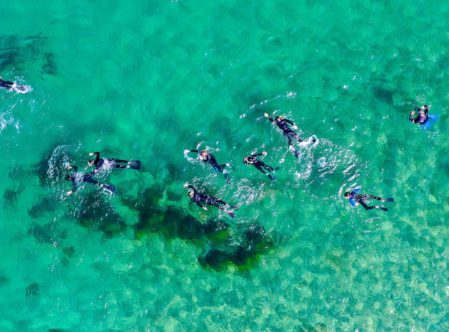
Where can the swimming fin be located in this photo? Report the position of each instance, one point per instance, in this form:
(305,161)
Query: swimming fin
(108,187)
(388,199)
(134,164)
(231,213)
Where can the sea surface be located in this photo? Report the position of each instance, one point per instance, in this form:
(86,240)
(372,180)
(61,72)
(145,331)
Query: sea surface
(147,79)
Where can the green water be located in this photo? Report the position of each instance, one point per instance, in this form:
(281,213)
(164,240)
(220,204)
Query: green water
(147,79)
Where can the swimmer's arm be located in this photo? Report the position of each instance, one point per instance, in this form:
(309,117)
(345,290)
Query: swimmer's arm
(74,188)
(97,156)
(291,123)
(259,154)
(190,186)
(201,206)
(268,117)
(186,151)
(412,118)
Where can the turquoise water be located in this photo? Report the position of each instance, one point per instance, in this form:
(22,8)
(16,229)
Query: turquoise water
(147,79)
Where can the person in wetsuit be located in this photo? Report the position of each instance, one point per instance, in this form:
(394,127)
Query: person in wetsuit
(419,115)
(354,197)
(200,199)
(209,158)
(8,85)
(77,178)
(288,132)
(103,163)
(260,165)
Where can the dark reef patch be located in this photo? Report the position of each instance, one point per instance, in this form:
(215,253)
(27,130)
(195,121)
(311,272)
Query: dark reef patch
(32,290)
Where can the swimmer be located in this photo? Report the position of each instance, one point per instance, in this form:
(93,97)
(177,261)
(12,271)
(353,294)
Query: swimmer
(200,199)
(419,115)
(260,165)
(355,198)
(209,158)
(103,163)
(77,178)
(12,86)
(291,135)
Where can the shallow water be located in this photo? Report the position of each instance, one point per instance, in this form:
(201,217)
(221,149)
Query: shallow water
(146,80)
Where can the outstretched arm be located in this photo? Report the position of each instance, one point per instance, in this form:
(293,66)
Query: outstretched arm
(259,154)
(97,156)
(74,188)
(201,206)
(268,117)
(186,151)
(413,118)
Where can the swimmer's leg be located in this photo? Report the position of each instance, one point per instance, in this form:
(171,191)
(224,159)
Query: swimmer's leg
(362,203)
(118,160)
(88,179)
(267,173)
(381,199)
(133,164)
(260,169)
(6,84)
(292,149)
(270,169)
(120,166)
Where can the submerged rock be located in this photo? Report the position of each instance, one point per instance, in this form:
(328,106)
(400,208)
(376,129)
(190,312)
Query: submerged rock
(96,213)
(10,197)
(46,233)
(32,290)
(49,65)
(255,241)
(45,205)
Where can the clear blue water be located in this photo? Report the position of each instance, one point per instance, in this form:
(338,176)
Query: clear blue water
(146,80)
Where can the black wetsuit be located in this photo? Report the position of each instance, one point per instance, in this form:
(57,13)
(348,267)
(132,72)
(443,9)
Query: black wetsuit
(6,84)
(77,177)
(200,199)
(291,135)
(210,159)
(114,163)
(354,198)
(260,165)
(420,118)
